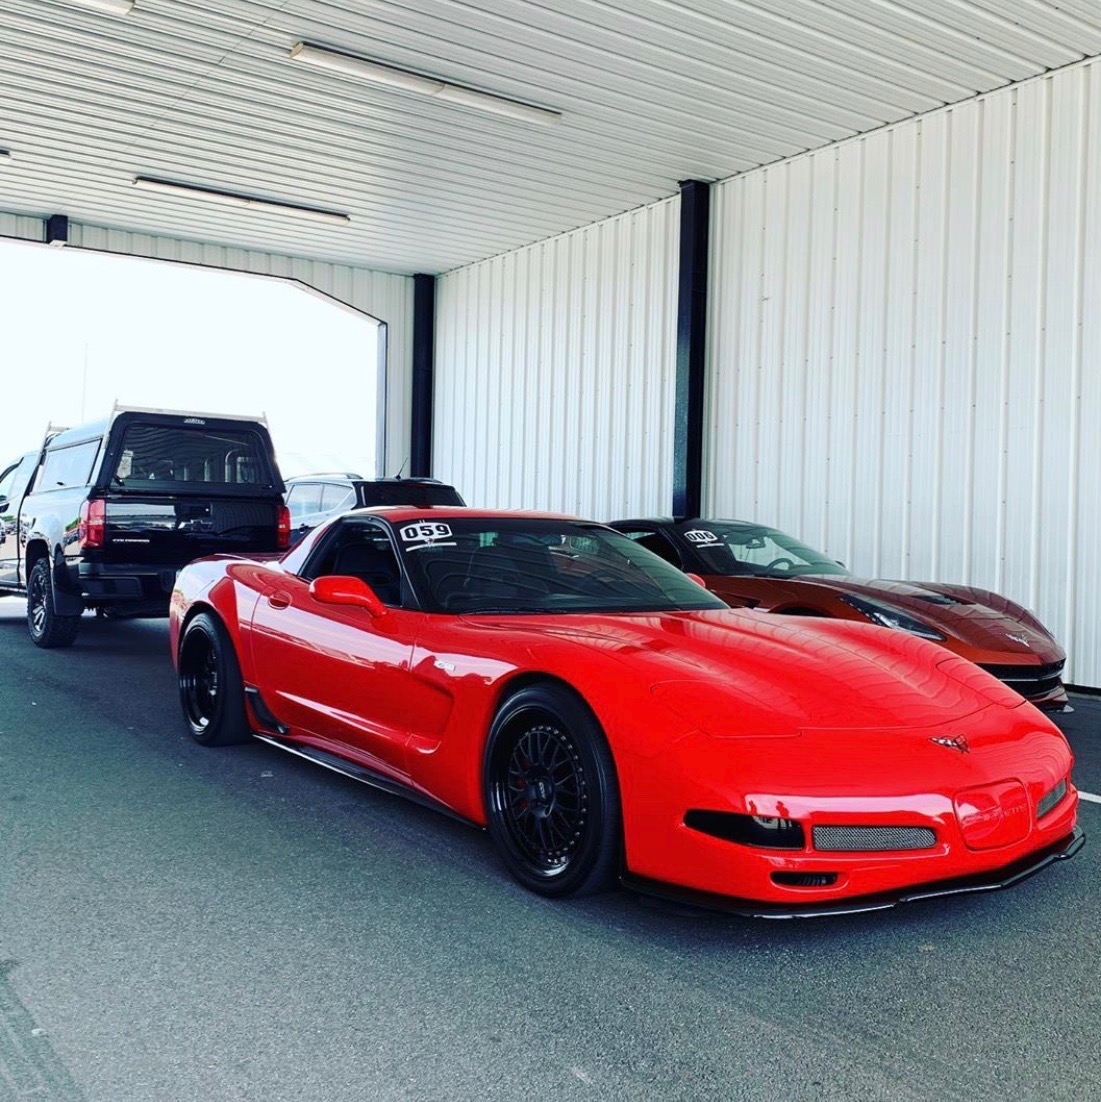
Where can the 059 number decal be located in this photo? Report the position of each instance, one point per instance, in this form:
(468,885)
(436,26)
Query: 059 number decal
(424,532)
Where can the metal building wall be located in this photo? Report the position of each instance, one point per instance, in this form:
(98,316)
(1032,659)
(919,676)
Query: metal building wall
(555,370)
(905,360)
(388,298)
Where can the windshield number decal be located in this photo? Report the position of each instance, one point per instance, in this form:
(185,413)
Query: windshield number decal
(425,534)
(701,536)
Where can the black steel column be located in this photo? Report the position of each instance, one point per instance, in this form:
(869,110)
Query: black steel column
(695,207)
(424,337)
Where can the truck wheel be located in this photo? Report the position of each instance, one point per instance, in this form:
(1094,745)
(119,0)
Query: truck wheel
(47,628)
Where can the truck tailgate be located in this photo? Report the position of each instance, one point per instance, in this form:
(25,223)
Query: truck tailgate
(172,532)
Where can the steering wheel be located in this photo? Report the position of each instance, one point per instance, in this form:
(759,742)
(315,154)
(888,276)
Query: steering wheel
(776,564)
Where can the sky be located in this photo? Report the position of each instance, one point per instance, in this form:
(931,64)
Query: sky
(79,330)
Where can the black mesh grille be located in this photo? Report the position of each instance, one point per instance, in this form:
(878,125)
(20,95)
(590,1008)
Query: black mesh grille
(873,838)
(1029,680)
(1049,802)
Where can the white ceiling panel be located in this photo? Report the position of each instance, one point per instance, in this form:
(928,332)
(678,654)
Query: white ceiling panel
(651,92)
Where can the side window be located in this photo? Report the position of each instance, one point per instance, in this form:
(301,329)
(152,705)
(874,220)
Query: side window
(70,466)
(335,497)
(659,544)
(362,551)
(7,480)
(304,499)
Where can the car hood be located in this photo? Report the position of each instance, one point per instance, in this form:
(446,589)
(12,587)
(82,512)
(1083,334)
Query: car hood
(982,621)
(743,672)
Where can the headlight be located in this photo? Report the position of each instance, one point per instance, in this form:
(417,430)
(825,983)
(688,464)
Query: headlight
(888,617)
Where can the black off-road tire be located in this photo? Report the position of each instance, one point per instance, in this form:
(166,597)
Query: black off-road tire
(551,794)
(212,694)
(46,627)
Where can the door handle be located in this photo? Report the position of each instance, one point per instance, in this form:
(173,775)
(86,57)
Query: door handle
(278,600)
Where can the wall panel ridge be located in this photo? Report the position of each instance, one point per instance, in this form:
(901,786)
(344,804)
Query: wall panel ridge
(905,357)
(555,371)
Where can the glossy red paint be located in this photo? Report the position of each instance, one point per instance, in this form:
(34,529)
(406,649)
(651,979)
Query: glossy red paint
(825,722)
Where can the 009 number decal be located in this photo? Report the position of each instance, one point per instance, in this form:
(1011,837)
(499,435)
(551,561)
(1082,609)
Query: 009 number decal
(425,532)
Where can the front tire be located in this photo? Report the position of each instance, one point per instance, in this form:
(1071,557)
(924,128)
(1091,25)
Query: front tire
(551,794)
(46,627)
(212,693)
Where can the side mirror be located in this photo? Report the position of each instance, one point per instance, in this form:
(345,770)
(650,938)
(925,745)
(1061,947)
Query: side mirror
(697,579)
(343,589)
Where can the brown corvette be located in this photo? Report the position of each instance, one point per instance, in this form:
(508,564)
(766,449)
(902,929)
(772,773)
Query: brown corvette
(753,566)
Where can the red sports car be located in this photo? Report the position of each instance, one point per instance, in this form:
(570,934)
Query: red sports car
(754,566)
(603,715)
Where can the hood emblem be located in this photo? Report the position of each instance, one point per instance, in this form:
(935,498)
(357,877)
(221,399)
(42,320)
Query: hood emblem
(1022,639)
(953,742)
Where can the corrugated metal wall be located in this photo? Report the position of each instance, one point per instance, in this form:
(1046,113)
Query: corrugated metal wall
(389,298)
(555,370)
(906,350)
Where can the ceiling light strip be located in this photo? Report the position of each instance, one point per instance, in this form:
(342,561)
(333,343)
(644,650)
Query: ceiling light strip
(5,154)
(407,81)
(236,199)
(113,7)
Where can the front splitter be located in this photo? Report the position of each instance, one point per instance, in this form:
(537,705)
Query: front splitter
(748,908)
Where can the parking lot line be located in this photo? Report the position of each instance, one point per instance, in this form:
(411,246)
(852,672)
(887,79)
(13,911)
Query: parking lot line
(1089,796)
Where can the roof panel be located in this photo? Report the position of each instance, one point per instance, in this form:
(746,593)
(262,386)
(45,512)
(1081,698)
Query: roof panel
(651,91)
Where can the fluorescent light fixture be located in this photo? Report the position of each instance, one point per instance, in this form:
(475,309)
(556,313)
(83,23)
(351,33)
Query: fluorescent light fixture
(459,94)
(236,199)
(5,155)
(114,7)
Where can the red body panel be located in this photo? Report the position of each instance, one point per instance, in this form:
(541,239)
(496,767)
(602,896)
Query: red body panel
(828,722)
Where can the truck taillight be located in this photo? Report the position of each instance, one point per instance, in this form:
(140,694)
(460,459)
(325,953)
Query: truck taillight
(283,531)
(93,523)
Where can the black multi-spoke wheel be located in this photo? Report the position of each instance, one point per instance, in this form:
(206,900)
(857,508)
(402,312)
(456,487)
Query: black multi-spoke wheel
(46,627)
(552,801)
(211,692)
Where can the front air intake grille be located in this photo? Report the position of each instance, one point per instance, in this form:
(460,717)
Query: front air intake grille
(858,838)
(1052,799)
(1029,680)
(805,879)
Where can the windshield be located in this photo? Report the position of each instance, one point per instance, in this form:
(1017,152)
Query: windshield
(726,547)
(517,565)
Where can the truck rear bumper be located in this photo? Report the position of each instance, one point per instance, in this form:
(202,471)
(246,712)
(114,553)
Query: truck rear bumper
(108,584)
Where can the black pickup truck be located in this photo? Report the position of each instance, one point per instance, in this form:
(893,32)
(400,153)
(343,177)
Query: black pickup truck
(104,515)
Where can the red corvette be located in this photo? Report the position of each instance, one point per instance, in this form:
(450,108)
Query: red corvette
(603,715)
(753,566)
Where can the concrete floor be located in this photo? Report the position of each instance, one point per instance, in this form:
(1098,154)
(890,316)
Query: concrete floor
(183,923)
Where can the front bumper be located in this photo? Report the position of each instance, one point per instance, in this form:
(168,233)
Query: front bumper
(991,881)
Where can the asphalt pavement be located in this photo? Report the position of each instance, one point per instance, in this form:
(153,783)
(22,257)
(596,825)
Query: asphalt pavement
(180,923)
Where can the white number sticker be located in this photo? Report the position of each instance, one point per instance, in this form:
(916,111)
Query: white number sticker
(424,532)
(701,535)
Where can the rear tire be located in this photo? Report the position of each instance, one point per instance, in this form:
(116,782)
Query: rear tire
(46,627)
(551,794)
(212,693)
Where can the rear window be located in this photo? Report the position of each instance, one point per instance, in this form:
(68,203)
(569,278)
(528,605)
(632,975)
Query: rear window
(407,492)
(155,456)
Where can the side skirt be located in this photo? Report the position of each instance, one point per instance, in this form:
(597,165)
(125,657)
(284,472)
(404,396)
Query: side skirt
(364,775)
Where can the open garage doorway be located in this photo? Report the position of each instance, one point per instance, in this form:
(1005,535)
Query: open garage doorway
(84,329)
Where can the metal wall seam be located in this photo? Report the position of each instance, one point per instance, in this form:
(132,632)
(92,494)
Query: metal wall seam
(906,352)
(554,367)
